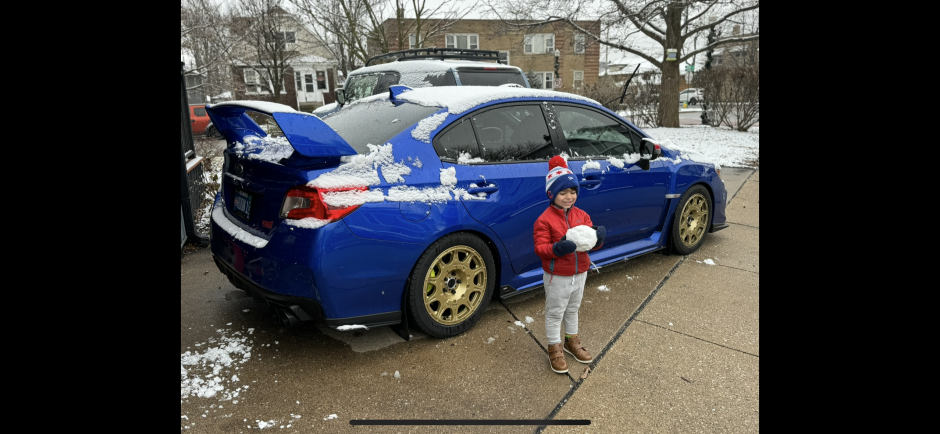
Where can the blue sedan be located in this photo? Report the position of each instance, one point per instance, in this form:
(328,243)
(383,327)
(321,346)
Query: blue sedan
(416,207)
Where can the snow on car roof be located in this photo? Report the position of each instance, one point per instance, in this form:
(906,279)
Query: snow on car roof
(459,99)
(418,66)
(260,106)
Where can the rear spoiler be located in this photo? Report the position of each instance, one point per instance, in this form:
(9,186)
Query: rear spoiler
(307,134)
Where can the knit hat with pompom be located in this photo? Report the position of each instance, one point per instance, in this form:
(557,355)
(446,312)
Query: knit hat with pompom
(559,178)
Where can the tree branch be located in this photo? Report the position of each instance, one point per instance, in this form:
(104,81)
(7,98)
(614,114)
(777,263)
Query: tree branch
(720,43)
(719,22)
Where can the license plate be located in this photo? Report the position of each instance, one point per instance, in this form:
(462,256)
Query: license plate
(242,206)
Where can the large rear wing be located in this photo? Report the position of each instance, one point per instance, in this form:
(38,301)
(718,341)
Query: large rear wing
(307,134)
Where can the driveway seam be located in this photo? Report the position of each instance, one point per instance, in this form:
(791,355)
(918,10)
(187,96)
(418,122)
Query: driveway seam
(603,353)
(529,332)
(742,224)
(742,186)
(739,269)
(698,338)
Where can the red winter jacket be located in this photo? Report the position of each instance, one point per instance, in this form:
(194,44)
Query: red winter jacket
(550,228)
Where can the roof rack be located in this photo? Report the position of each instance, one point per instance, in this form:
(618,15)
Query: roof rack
(439,53)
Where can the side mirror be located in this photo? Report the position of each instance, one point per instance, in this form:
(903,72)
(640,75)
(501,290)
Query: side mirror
(649,151)
(341,96)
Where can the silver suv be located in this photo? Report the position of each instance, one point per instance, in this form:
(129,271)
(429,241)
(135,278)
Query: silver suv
(429,68)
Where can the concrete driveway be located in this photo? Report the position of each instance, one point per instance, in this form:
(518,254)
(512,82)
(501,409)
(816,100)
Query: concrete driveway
(676,344)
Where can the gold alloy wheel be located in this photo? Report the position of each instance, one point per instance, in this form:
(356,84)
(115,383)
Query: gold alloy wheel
(695,220)
(455,285)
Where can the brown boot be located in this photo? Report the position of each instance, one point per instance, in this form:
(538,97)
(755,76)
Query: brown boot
(556,354)
(573,346)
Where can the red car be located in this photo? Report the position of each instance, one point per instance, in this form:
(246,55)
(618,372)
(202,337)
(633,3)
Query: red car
(199,118)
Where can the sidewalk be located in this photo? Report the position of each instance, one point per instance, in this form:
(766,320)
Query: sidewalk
(690,360)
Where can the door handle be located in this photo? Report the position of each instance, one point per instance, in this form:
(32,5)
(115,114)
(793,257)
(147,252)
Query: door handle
(486,190)
(590,183)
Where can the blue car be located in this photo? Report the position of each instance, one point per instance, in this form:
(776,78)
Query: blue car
(416,207)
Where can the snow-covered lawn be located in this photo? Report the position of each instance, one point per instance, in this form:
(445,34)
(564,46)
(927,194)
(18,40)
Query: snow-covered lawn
(721,146)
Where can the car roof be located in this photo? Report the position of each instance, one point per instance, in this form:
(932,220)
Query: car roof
(460,99)
(428,66)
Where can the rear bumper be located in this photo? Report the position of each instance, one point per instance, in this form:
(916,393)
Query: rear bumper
(304,309)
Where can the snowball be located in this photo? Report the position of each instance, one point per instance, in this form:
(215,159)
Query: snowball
(584,237)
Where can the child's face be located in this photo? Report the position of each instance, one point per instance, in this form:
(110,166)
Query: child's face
(567,198)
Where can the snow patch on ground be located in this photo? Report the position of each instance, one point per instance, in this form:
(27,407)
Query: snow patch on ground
(520,324)
(604,289)
(331,417)
(584,236)
(529,320)
(722,147)
(710,262)
(206,374)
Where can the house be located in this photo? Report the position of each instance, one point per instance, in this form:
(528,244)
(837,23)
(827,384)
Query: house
(534,51)
(279,45)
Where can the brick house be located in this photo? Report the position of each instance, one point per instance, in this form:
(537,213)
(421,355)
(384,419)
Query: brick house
(532,51)
(309,79)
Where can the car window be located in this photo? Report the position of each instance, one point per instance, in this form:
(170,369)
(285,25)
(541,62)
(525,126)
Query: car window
(199,112)
(376,122)
(591,134)
(490,78)
(360,86)
(386,81)
(514,133)
(458,140)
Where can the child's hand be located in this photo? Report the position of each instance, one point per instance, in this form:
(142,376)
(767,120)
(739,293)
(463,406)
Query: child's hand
(601,235)
(564,248)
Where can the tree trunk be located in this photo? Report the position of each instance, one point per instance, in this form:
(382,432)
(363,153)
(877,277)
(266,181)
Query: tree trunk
(669,97)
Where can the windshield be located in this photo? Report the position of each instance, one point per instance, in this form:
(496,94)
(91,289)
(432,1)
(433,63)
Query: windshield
(490,78)
(361,86)
(375,122)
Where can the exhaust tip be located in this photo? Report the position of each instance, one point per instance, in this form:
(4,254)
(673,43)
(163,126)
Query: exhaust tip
(287,318)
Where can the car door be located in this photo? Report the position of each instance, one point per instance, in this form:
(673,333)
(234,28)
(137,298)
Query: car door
(200,119)
(617,194)
(500,156)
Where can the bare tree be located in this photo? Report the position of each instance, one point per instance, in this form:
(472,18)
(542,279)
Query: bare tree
(270,36)
(645,28)
(357,30)
(206,39)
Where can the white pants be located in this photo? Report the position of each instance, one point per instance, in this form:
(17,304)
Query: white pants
(563,295)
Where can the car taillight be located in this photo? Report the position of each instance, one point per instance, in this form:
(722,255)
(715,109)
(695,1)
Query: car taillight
(305,202)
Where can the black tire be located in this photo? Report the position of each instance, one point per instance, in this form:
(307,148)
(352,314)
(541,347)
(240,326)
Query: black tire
(443,314)
(212,133)
(694,101)
(689,231)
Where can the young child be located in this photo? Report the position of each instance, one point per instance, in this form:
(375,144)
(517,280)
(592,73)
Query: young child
(565,268)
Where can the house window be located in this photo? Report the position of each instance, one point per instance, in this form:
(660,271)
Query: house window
(579,44)
(463,41)
(252,84)
(288,39)
(309,78)
(540,43)
(321,80)
(412,42)
(299,80)
(578,79)
(547,80)
(504,57)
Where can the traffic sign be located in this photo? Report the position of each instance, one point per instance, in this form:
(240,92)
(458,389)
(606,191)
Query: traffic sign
(689,68)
